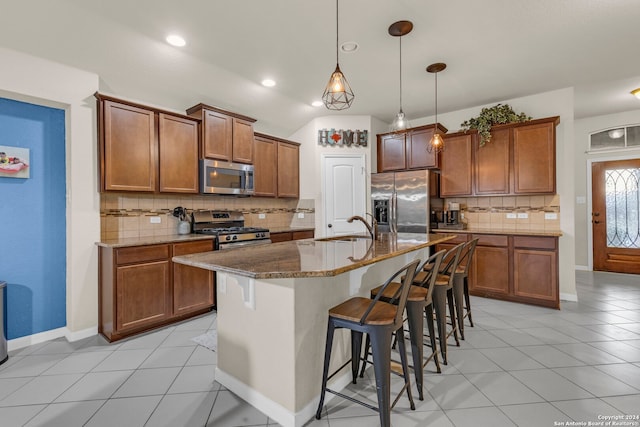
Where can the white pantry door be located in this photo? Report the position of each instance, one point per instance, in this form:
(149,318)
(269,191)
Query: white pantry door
(344,193)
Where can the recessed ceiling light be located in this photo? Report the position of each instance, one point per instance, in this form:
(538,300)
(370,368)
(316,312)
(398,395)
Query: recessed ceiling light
(175,40)
(268,83)
(636,93)
(349,47)
(317,103)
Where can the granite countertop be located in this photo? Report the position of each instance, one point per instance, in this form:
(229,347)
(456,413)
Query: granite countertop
(310,258)
(152,240)
(503,232)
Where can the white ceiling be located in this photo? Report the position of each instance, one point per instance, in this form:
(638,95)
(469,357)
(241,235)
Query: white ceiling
(494,50)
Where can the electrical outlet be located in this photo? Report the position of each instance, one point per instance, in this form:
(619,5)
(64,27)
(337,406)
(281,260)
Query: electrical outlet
(550,215)
(523,215)
(300,215)
(581,200)
(155,219)
(262,216)
(511,216)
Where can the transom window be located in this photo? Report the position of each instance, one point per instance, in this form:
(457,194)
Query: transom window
(618,137)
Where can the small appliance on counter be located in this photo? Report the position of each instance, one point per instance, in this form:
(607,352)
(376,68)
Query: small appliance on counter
(184,226)
(451,218)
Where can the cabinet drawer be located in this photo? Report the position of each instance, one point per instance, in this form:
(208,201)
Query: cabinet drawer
(297,235)
(534,242)
(192,247)
(459,238)
(491,240)
(141,254)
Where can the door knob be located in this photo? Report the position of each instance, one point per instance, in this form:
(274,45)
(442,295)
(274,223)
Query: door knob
(330,225)
(596,214)
(596,222)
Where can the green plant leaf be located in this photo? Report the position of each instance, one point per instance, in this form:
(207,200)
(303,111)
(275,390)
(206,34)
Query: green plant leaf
(489,116)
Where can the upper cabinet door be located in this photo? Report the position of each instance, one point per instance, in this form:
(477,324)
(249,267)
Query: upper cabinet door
(265,167)
(178,145)
(242,141)
(456,165)
(128,148)
(492,164)
(391,152)
(217,135)
(534,158)
(418,157)
(288,170)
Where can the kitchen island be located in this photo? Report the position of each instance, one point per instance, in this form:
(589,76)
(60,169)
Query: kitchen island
(272,312)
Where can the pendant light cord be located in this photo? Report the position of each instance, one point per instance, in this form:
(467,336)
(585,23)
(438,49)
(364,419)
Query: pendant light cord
(400,72)
(436,99)
(337,29)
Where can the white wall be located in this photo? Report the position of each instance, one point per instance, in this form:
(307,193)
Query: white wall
(30,79)
(311,153)
(583,128)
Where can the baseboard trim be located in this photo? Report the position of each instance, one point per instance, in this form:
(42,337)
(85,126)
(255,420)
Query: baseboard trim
(583,268)
(568,297)
(53,334)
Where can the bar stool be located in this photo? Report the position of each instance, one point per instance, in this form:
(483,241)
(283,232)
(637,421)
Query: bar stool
(461,285)
(419,305)
(379,320)
(443,295)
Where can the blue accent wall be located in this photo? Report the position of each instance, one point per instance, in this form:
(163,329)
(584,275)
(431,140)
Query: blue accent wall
(33,220)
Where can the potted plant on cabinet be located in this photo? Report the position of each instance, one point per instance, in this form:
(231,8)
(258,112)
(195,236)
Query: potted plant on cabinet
(489,116)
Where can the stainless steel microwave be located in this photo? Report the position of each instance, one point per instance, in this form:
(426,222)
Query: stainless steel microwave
(218,177)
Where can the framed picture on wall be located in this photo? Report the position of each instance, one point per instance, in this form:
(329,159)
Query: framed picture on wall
(14,162)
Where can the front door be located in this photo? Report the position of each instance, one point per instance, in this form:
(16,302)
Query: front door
(344,193)
(616,216)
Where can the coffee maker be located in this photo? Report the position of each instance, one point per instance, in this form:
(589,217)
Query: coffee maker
(453,214)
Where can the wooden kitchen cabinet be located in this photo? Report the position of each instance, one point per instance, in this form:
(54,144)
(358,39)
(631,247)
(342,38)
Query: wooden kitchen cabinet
(128,149)
(407,150)
(286,236)
(490,266)
(146,149)
(276,167)
(510,267)
(178,149)
(193,288)
(492,164)
(534,157)
(139,288)
(456,164)
(224,135)
(535,270)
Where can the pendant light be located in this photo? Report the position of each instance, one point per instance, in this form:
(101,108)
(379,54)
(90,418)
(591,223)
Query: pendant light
(338,94)
(437,143)
(399,29)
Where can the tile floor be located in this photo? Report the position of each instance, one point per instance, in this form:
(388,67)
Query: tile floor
(519,366)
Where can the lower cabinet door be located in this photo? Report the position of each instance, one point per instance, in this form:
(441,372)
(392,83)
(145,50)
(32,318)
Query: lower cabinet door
(490,271)
(193,288)
(142,294)
(535,275)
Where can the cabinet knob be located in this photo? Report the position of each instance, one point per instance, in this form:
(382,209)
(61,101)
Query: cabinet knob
(596,222)
(330,225)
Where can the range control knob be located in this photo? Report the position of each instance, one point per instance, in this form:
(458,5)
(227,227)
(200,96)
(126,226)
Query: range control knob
(235,237)
(227,238)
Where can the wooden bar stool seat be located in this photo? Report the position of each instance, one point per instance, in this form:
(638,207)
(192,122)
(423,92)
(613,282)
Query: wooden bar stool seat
(419,307)
(379,320)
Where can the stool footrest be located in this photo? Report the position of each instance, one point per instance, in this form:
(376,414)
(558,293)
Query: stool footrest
(351,399)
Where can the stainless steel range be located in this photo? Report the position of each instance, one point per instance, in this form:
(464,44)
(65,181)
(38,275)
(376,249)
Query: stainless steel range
(228,227)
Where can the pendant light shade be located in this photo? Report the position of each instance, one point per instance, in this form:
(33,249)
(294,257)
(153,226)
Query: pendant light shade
(399,29)
(437,142)
(338,94)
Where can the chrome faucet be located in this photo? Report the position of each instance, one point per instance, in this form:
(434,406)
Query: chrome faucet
(372,229)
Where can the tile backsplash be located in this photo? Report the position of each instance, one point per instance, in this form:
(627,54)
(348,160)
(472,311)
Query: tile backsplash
(125,215)
(510,213)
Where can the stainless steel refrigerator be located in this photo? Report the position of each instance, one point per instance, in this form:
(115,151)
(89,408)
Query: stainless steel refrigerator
(400,201)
